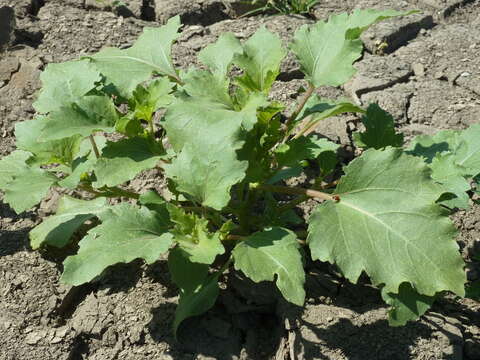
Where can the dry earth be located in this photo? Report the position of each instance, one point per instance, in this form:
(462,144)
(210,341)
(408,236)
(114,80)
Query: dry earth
(428,77)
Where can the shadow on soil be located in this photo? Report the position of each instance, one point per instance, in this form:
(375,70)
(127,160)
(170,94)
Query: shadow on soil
(350,340)
(14,239)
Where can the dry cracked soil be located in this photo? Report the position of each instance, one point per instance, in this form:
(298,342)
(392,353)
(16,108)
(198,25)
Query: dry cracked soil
(427,76)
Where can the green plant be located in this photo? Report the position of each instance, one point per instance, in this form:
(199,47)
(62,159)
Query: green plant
(282,6)
(225,150)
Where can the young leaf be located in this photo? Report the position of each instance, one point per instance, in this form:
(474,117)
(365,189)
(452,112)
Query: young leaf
(317,109)
(388,225)
(65,83)
(129,125)
(327,50)
(155,96)
(304,148)
(150,53)
(121,161)
(198,291)
(126,233)
(407,305)
(272,252)
(285,173)
(219,55)
(260,61)
(193,237)
(380,131)
(83,163)
(90,114)
(71,213)
(16,177)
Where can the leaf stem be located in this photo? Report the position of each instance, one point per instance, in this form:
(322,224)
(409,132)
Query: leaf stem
(297,110)
(94,146)
(299,191)
(152,127)
(109,192)
(292,203)
(116,191)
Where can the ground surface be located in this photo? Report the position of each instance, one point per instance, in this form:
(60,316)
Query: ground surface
(428,77)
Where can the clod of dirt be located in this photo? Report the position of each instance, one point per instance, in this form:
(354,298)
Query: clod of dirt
(388,36)
(375,73)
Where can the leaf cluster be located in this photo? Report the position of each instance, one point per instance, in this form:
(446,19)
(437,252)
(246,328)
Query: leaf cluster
(226,149)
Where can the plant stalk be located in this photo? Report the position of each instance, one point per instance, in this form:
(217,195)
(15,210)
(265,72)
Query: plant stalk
(299,191)
(297,110)
(94,146)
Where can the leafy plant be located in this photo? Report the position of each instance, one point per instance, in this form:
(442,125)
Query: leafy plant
(282,6)
(226,149)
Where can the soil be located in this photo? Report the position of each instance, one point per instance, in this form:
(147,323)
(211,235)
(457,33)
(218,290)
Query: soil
(428,77)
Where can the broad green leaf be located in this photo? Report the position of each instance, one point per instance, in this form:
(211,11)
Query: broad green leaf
(380,130)
(327,50)
(407,305)
(198,291)
(65,83)
(196,302)
(121,161)
(304,148)
(468,152)
(155,96)
(150,53)
(27,188)
(269,253)
(206,166)
(454,157)
(207,171)
(219,55)
(61,151)
(429,146)
(126,233)
(446,172)
(90,114)
(192,235)
(187,275)
(260,61)
(71,213)
(388,225)
(11,165)
(23,185)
